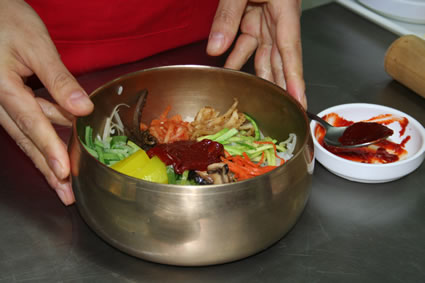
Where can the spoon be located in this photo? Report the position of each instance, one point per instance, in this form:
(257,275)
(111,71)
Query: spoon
(359,134)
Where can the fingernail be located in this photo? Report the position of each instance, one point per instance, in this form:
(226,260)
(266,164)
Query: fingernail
(302,99)
(65,194)
(61,194)
(78,99)
(57,168)
(215,42)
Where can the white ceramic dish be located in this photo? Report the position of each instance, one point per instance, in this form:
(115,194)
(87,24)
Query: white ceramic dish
(411,11)
(373,173)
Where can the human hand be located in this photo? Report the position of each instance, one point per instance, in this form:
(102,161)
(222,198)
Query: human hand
(26,49)
(271,29)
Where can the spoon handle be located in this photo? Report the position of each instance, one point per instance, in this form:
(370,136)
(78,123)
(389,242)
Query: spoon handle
(318,119)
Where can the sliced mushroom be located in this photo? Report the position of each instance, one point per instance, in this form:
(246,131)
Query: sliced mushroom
(142,138)
(220,173)
(217,173)
(148,140)
(200,177)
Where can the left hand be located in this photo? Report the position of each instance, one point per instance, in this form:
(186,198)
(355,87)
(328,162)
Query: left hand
(271,28)
(27,49)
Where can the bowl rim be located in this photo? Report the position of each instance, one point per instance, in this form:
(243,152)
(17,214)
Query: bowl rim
(204,188)
(412,120)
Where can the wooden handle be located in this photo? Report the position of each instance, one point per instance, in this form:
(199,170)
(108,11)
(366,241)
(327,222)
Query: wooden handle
(405,62)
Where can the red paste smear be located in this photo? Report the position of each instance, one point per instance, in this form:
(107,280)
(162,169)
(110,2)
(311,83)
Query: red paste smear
(188,155)
(382,152)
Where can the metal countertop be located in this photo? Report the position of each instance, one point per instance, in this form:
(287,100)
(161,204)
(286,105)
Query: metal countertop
(349,232)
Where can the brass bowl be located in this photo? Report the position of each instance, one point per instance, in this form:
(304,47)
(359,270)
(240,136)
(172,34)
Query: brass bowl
(194,225)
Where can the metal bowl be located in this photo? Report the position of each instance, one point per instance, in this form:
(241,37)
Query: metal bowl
(194,225)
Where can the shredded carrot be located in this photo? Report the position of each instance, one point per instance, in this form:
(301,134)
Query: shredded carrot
(243,167)
(168,130)
(248,161)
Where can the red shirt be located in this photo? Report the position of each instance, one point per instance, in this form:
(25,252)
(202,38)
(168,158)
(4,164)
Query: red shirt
(94,34)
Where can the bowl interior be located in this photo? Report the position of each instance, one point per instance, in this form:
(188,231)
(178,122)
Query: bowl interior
(188,88)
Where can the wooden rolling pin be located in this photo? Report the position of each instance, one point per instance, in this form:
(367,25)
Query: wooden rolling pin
(405,62)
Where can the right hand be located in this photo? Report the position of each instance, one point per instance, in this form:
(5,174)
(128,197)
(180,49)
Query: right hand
(271,29)
(26,49)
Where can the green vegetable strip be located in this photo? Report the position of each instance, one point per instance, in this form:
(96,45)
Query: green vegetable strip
(110,156)
(183,178)
(230,133)
(185,175)
(256,155)
(280,148)
(99,151)
(91,151)
(123,151)
(246,145)
(271,157)
(118,140)
(260,149)
(89,137)
(134,146)
(107,142)
(254,124)
(242,139)
(110,150)
(172,178)
(99,143)
(214,136)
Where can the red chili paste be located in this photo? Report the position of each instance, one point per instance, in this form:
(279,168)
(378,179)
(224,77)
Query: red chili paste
(188,155)
(382,152)
(363,132)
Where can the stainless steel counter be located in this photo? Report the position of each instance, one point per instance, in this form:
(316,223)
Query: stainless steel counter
(349,232)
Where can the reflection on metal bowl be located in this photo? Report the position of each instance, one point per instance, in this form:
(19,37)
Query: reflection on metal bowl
(194,225)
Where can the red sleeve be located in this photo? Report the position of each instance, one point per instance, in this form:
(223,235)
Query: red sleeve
(95,34)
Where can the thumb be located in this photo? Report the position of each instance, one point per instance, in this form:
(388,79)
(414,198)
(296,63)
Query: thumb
(225,25)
